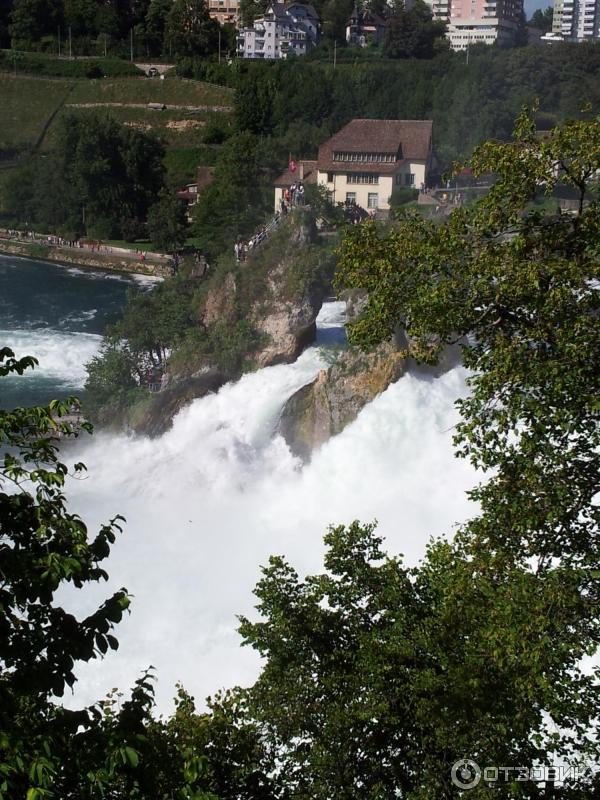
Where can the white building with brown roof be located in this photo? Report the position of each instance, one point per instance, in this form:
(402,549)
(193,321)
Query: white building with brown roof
(368,158)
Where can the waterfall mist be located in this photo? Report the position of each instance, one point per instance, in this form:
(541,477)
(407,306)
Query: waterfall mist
(209,501)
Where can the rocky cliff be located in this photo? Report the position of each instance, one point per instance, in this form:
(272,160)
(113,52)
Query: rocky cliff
(324,407)
(251,314)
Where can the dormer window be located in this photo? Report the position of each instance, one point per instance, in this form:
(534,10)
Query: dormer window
(367,158)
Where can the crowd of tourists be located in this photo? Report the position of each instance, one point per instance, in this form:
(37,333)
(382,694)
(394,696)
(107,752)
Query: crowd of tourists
(293,196)
(244,249)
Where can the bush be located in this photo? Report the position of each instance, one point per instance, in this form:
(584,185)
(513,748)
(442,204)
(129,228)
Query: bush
(94,70)
(40,64)
(231,344)
(402,195)
(217,129)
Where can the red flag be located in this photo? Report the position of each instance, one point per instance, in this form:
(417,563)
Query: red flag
(292,164)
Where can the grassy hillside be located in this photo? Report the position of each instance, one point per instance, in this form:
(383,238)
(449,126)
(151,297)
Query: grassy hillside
(32,105)
(171,91)
(27,105)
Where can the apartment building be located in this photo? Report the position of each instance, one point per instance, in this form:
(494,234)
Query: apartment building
(479,21)
(282,31)
(224,11)
(576,20)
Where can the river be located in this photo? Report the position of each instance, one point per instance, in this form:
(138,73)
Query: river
(211,499)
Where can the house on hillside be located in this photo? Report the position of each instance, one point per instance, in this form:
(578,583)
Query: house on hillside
(192,191)
(365,27)
(283,30)
(366,160)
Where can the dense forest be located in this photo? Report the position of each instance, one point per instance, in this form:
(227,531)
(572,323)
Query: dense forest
(304,102)
(90,27)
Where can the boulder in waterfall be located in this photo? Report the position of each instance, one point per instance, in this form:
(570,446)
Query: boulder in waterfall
(326,406)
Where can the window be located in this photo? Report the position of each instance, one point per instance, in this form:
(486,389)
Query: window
(410,179)
(373,200)
(369,158)
(330,177)
(351,197)
(362,177)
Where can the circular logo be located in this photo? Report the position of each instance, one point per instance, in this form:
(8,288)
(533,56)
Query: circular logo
(465,773)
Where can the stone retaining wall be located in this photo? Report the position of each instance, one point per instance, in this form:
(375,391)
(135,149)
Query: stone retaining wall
(85,258)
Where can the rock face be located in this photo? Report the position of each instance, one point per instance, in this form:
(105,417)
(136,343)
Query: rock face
(220,301)
(290,324)
(292,306)
(324,407)
(278,290)
(155,417)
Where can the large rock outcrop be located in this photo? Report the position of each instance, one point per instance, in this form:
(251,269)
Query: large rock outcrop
(294,289)
(324,407)
(290,324)
(220,301)
(278,292)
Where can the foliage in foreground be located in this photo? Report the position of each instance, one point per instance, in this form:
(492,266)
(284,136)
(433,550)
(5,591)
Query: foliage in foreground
(115,748)
(519,289)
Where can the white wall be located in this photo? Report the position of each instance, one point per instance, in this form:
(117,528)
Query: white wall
(340,187)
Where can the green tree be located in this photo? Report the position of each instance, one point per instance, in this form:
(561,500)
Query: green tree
(80,16)
(5,10)
(522,286)
(114,748)
(378,678)
(189,29)
(32,19)
(43,547)
(542,19)
(101,176)
(334,17)
(111,376)
(155,24)
(412,33)
(240,195)
(167,223)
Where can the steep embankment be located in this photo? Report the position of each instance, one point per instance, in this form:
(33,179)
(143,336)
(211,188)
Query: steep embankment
(250,314)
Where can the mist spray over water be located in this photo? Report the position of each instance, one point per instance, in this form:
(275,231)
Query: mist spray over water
(209,501)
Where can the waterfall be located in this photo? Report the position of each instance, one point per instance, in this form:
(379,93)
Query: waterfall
(211,499)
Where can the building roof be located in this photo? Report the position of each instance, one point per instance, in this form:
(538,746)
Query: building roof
(288,177)
(305,9)
(278,9)
(406,139)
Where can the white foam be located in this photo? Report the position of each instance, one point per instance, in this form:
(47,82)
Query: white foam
(210,500)
(62,355)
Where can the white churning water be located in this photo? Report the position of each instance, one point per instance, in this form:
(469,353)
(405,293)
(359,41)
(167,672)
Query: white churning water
(210,500)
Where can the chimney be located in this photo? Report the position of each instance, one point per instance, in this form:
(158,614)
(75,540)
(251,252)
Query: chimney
(301,170)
